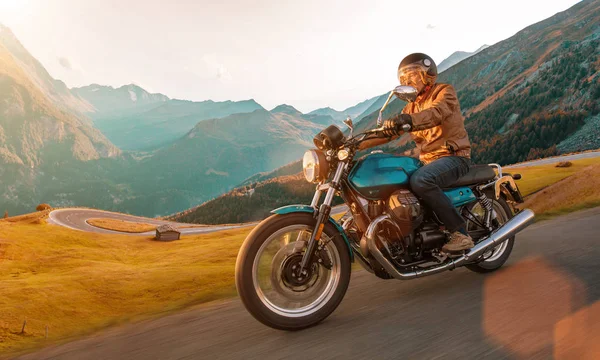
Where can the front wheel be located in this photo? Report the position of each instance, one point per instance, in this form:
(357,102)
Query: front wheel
(267,277)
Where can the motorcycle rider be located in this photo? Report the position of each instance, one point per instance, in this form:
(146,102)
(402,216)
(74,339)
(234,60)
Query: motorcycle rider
(437,127)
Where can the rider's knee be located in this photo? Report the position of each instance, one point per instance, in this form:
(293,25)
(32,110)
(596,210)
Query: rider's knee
(419,183)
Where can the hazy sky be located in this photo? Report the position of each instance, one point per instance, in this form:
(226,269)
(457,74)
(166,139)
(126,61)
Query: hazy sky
(307,53)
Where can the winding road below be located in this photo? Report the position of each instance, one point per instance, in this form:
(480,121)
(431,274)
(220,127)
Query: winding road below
(76,219)
(543,303)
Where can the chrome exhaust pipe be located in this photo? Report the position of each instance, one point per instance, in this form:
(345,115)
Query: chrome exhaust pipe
(506,231)
(372,230)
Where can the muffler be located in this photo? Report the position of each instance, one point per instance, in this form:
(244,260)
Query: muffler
(506,231)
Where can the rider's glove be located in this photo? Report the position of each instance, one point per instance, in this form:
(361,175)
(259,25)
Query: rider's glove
(393,125)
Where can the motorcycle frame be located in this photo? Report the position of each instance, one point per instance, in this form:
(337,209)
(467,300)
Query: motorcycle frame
(503,184)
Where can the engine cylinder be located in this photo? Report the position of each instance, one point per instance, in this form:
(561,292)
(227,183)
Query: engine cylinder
(405,210)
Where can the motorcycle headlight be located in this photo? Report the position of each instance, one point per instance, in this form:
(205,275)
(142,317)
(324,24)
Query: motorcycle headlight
(315,166)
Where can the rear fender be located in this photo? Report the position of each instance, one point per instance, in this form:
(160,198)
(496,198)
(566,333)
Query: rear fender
(308,209)
(506,185)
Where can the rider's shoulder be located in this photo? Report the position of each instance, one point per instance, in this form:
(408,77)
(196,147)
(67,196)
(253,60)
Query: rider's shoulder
(443,88)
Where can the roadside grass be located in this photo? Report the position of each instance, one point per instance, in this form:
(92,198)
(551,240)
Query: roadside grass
(76,282)
(38,217)
(576,192)
(121,225)
(549,214)
(538,177)
(132,227)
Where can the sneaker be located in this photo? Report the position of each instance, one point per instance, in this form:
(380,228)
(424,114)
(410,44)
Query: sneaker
(458,242)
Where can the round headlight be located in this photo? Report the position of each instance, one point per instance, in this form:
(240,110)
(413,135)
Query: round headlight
(315,166)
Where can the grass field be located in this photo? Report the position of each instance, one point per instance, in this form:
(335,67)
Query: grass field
(536,178)
(131,227)
(75,283)
(576,192)
(121,225)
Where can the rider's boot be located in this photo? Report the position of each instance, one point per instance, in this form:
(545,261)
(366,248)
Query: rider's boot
(458,242)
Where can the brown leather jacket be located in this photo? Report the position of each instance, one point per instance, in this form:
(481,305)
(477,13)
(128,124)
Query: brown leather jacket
(439,127)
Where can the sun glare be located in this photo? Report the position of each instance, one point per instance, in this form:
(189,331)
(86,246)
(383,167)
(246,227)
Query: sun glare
(10,9)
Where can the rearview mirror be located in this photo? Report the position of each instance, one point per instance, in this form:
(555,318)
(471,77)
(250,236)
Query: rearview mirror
(402,92)
(406,93)
(348,122)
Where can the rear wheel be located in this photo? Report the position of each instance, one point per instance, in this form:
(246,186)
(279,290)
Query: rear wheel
(494,258)
(268,279)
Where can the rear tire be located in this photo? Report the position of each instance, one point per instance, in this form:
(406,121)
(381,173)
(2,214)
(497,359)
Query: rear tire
(257,302)
(496,260)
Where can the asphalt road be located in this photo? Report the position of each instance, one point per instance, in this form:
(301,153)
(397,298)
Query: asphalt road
(76,219)
(542,304)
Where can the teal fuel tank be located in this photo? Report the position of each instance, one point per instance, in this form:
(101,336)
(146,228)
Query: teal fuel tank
(377,176)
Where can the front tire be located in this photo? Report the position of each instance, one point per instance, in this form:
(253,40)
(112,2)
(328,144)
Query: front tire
(265,285)
(494,259)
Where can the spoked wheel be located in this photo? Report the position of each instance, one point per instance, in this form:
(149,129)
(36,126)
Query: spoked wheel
(269,278)
(494,258)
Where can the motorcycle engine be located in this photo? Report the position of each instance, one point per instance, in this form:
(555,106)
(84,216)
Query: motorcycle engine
(406,210)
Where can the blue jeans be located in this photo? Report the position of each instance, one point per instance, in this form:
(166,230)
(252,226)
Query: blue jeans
(427,183)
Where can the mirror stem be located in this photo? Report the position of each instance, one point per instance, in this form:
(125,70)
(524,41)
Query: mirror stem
(379,118)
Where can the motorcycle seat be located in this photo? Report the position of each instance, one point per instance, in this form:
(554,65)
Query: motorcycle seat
(477,174)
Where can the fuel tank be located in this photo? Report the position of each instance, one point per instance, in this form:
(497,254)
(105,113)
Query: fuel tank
(377,176)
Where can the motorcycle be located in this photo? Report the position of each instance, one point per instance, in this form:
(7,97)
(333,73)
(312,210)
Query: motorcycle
(293,269)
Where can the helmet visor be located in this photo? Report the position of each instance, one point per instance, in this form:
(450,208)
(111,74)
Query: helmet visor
(410,75)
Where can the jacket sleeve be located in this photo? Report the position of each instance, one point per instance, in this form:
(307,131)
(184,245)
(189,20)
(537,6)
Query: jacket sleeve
(444,104)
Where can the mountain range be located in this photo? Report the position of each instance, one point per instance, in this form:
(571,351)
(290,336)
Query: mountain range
(38,111)
(457,57)
(134,119)
(525,95)
(53,146)
(354,111)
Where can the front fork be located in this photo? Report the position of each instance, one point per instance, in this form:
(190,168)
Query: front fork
(323,215)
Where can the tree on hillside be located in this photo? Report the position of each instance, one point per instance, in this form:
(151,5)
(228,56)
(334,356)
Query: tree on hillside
(42,207)
(5,214)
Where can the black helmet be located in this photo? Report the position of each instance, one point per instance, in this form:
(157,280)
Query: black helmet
(421,63)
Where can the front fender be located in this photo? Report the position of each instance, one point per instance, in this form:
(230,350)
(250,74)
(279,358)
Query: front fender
(308,209)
